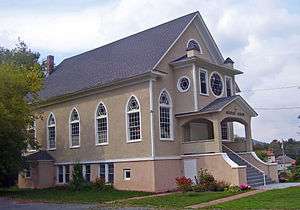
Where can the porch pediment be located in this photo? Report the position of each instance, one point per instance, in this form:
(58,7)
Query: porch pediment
(234,106)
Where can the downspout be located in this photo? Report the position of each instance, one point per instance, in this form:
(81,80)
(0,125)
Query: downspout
(151,118)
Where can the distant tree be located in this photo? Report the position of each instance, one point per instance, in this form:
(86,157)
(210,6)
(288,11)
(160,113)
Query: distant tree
(20,81)
(276,146)
(262,154)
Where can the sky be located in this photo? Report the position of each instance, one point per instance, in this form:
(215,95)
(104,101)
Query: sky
(261,36)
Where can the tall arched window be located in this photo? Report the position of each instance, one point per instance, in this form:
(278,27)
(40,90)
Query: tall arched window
(165,116)
(51,132)
(101,125)
(133,123)
(74,128)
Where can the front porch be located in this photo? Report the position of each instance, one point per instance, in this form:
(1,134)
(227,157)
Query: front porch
(210,132)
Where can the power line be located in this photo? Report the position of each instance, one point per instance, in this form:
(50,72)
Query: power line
(268,89)
(278,108)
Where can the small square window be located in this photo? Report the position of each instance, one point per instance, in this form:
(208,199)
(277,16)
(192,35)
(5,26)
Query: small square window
(127,174)
(27,173)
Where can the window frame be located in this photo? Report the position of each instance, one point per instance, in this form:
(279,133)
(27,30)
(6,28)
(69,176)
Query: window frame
(70,129)
(231,85)
(84,174)
(124,174)
(178,84)
(223,85)
(48,143)
(96,125)
(127,120)
(206,81)
(170,106)
(64,174)
(106,171)
(187,45)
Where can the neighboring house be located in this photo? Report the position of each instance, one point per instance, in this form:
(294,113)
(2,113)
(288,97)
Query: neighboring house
(143,110)
(271,156)
(284,162)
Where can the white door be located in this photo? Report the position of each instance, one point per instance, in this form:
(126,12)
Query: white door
(190,168)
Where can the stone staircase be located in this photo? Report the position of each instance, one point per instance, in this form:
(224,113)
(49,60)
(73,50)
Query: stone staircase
(255,177)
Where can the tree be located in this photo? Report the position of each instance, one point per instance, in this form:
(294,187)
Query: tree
(20,81)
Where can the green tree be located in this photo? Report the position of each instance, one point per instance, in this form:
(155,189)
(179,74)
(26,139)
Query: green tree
(20,81)
(78,181)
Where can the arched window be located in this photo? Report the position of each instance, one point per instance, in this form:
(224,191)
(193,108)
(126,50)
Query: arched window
(101,125)
(133,123)
(51,132)
(165,116)
(193,45)
(74,128)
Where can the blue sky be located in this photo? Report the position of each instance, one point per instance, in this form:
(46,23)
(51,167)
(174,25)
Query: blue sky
(261,36)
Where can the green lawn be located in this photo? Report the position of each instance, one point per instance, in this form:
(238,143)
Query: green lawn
(176,201)
(63,195)
(288,198)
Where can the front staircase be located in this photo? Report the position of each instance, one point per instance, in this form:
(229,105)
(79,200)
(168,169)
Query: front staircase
(255,177)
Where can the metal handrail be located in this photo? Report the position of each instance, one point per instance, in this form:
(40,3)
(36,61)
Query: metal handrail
(247,162)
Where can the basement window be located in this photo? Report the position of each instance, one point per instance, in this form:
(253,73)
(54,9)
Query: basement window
(127,174)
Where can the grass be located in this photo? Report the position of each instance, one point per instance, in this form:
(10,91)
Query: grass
(63,195)
(288,198)
(176,200)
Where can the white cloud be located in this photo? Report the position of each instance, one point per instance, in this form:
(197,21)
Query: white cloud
(261,36)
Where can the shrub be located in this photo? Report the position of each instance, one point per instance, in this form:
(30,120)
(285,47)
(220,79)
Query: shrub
(77,183)
(221,185)
(232,189)
(244,187)
(199,188)
(184,184)
(204,177)
(99,183)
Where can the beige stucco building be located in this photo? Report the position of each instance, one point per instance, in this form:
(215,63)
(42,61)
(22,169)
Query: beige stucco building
(143,110)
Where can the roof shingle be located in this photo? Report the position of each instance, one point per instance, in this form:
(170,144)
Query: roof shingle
(128,57)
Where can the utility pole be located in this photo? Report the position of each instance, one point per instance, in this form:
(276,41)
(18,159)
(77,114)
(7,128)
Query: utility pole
(283,154)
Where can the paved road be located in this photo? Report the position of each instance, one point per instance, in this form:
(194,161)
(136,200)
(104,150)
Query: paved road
(8,204)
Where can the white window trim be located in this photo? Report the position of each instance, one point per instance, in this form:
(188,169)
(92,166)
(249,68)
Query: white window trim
(187,44)
(96,125)
(106,172)
(64,175)
(84,171)
(206,79)
(171,116)
(231,85)
(124,174)
(126,118)
(25,173)
(178,84)
(223,85)
(48,145)
(70,128)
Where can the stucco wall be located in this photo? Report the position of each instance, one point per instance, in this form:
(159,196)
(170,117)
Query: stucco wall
(220,169)
(142,176)
(166,172)
(115,102)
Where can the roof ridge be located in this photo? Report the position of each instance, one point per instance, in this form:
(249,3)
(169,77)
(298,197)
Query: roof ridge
(197,12)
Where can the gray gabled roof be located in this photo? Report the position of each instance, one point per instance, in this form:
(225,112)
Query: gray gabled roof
(40,155)
(218,105)
(131,56)
(284,159)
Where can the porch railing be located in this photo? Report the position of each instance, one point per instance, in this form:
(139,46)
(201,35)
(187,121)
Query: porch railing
(264,175)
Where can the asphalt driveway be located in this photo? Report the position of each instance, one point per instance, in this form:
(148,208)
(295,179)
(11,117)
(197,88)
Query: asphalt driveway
(9,204)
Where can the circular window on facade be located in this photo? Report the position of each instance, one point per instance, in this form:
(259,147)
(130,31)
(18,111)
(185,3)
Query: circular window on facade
(216,84)
(183,84)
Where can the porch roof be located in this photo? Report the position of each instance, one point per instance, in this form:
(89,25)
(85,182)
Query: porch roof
(218,105)
(40,155)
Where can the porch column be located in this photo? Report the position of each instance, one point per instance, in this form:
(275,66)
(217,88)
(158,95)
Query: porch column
(217,135)
(248,137)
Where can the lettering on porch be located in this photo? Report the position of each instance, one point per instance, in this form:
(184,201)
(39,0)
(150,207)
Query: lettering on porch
(235,113)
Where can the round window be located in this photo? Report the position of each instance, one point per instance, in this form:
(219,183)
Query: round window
(216,84)
(183,84)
